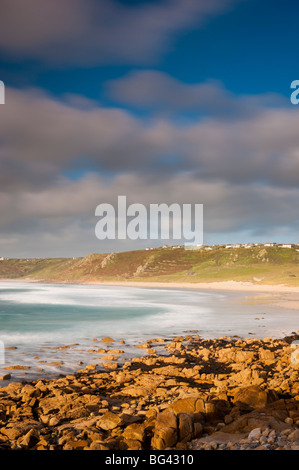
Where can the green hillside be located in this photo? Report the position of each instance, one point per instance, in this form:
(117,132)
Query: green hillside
(259,264)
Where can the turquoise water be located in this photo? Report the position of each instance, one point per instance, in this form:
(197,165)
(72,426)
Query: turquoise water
(36,319)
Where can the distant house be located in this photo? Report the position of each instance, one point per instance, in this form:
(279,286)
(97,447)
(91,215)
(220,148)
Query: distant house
(269,244)
(237,245)
(286,245)
(2,259)
(248,245)
(193,247)
(228,246)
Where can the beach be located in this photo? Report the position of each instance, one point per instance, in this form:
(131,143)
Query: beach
(221,285)
(47,328)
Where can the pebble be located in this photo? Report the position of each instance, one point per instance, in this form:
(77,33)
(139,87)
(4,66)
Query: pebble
(288,439)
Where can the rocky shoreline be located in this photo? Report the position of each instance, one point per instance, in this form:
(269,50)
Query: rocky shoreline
(200,394)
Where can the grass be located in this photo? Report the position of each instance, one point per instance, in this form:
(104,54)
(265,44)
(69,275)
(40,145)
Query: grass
(263,265)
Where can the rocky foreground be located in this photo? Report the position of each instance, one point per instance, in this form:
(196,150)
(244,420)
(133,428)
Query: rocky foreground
(222,394)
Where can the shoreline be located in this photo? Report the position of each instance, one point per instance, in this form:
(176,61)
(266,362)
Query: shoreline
(244,286)
(279,294)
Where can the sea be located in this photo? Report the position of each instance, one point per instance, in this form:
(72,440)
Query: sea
(48,330)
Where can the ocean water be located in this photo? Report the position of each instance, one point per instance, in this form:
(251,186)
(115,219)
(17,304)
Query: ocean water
(38,319)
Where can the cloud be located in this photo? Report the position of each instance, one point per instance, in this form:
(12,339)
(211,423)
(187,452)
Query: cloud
(159,92)
(60,137)
(89,32)
(244,170)
(42,138)
(60,220)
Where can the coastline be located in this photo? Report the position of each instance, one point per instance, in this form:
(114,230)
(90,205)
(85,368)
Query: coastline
(217,285)
(182,393)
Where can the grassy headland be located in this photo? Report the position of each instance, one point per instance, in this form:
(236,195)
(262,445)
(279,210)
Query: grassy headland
(258,265)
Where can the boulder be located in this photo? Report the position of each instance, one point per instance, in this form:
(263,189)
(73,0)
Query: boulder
(191,405)
(253,396)
(134,432)
(29,439)
(185,427)
(109,421)
(165,431)
(295,357)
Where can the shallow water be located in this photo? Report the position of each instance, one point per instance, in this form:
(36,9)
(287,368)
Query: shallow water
(37,319)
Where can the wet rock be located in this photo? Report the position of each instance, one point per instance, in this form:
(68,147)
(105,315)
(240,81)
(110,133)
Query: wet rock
(5,377)
(107,340)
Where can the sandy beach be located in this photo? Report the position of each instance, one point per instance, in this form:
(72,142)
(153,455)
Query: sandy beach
(223,285)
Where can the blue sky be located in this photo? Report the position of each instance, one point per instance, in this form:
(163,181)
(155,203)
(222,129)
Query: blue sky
(165,101)
(251,48)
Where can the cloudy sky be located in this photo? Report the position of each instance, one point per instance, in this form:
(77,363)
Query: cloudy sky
(169,101)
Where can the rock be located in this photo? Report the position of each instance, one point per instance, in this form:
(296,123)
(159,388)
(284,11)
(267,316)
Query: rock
(295,357)
(228,419)
(109,365)
(5,377)
(185,427)
(190,405)
(255,434)
(79,444)
(134,432)
(96,445)
(109,421)
(133,444)
(30,439)
(253,396)
(161,402)
(107,340)
(54,421)
(165,432)
(294,436)
(266,355)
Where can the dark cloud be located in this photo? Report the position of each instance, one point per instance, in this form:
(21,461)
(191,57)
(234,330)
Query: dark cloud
(244,170)
(86,32)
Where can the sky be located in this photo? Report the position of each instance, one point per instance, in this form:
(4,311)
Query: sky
(170,101)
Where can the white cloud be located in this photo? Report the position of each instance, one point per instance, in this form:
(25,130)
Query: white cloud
(158,91)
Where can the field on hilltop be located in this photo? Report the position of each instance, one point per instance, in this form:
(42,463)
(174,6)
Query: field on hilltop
(259,264)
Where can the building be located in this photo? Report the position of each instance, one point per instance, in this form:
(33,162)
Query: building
(193,247)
